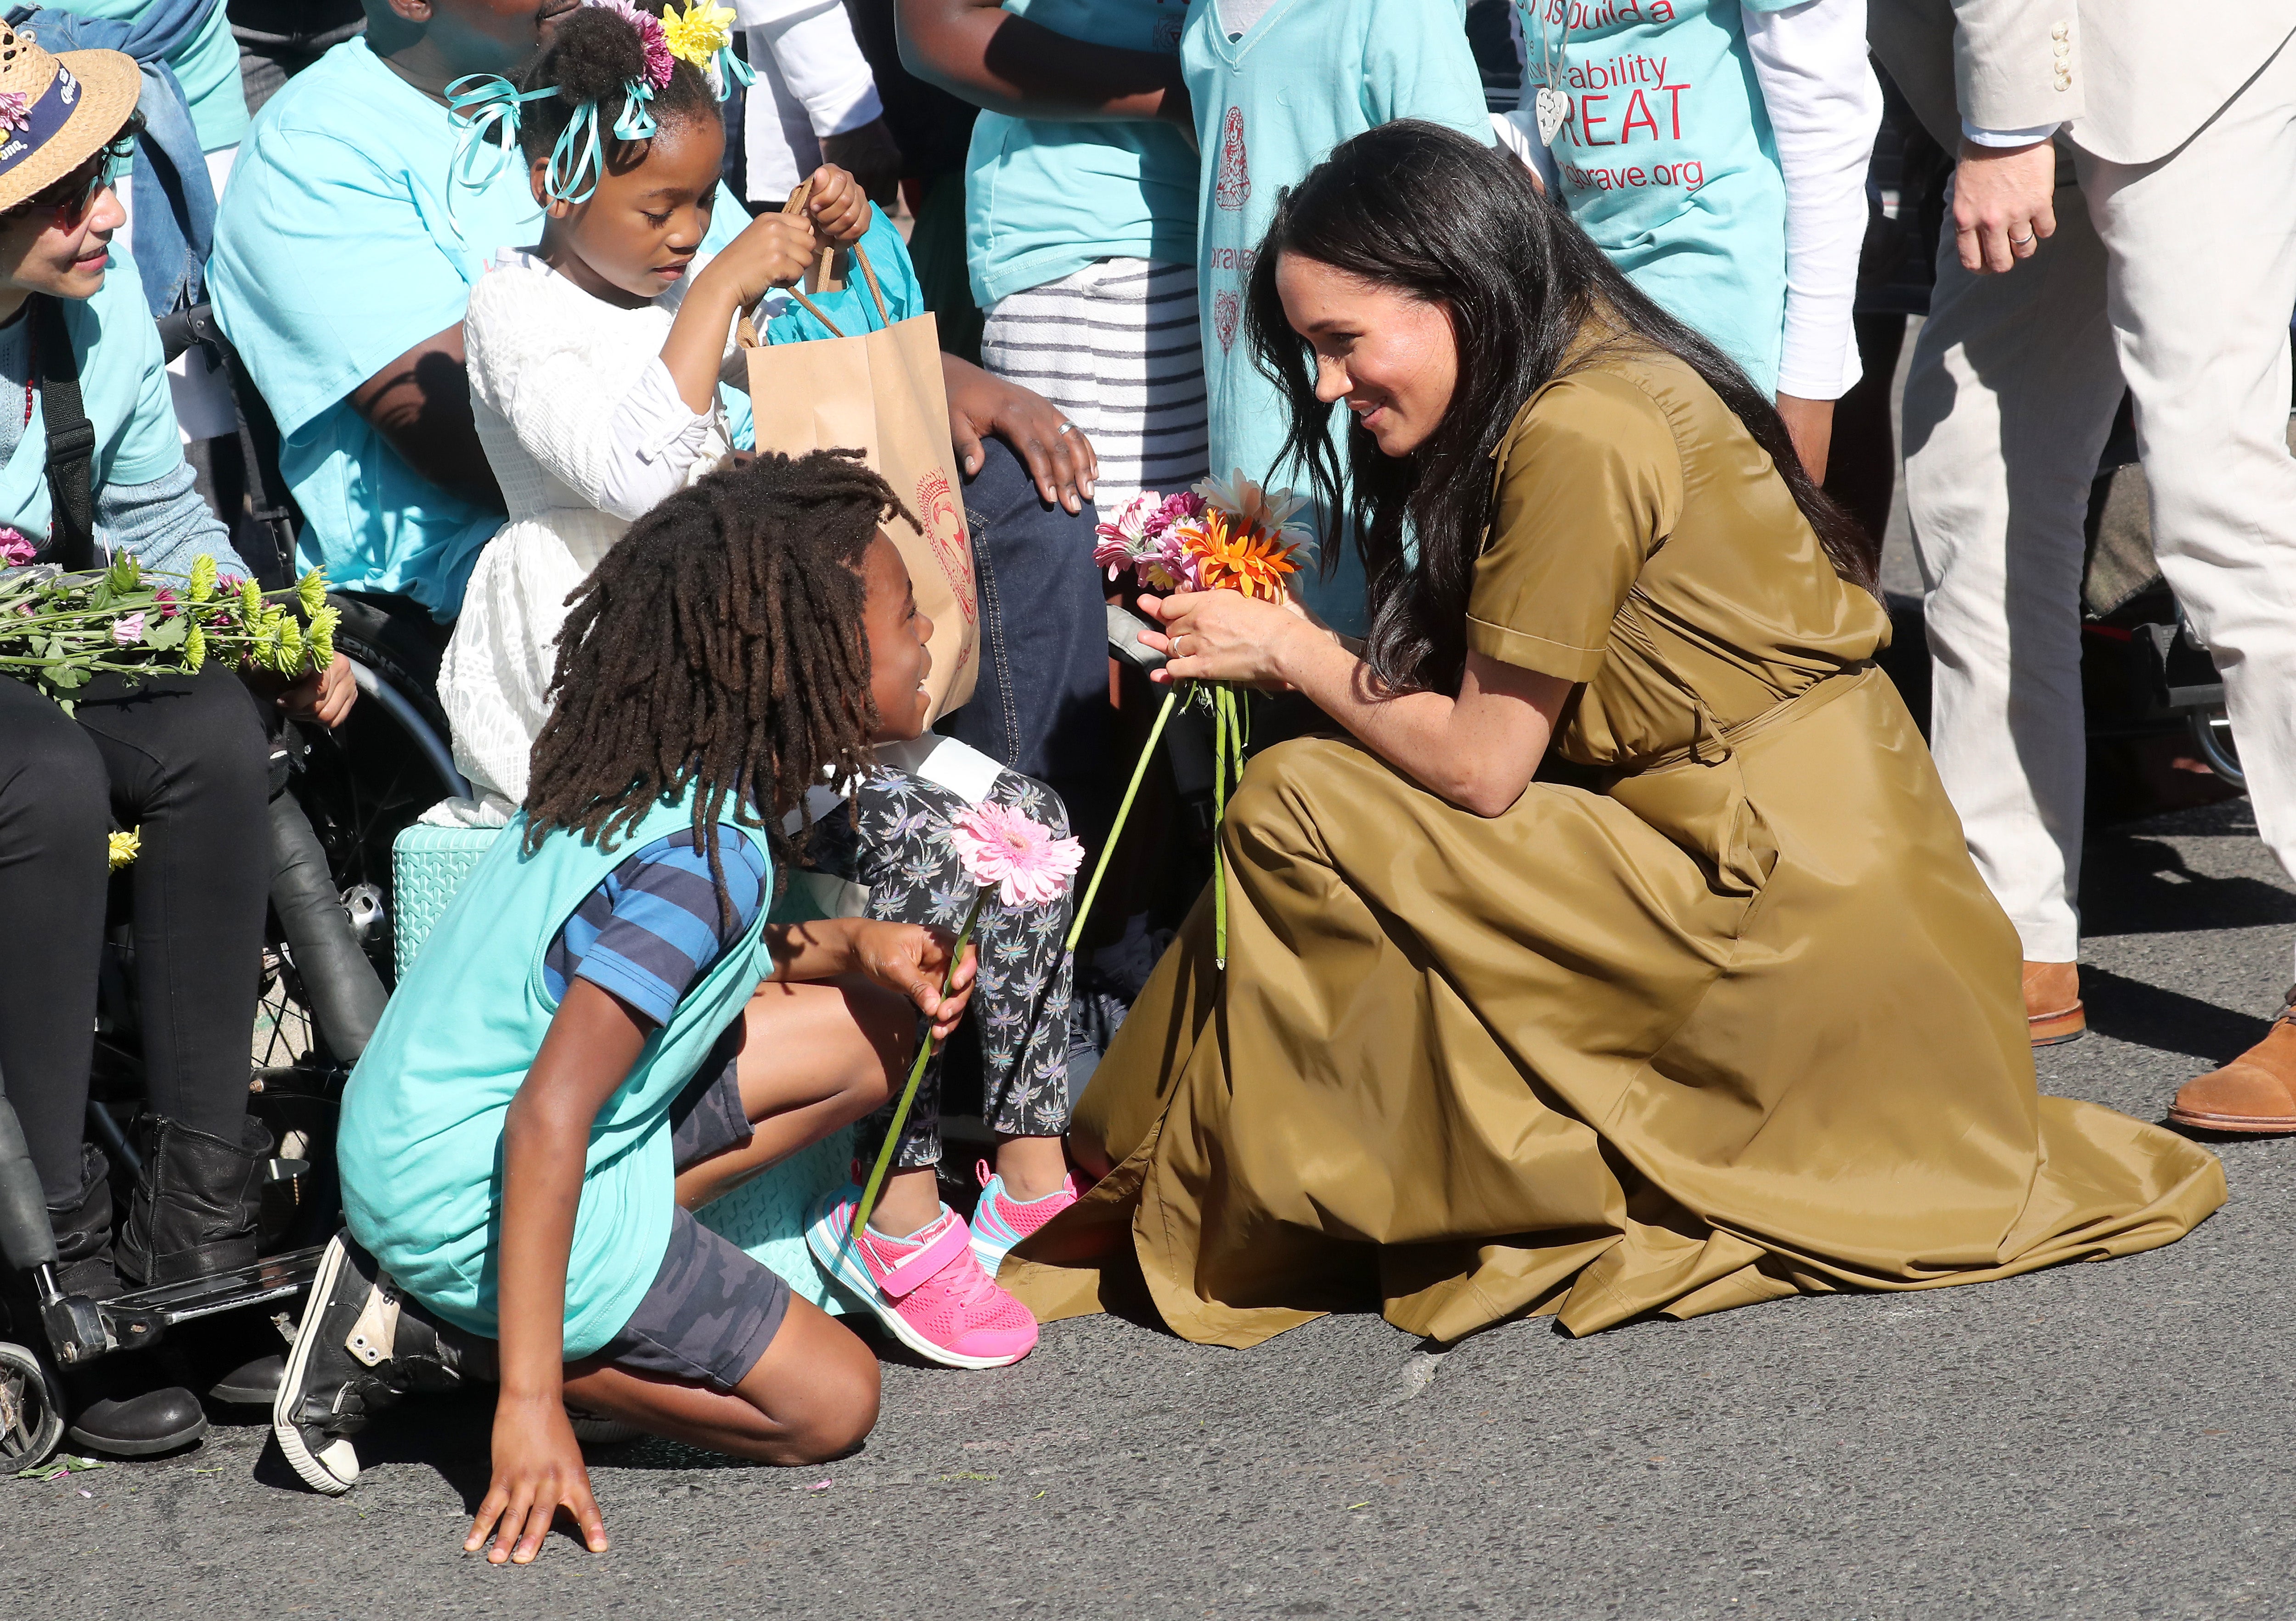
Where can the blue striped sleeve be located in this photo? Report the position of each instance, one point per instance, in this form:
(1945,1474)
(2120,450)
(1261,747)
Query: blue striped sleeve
(653,929)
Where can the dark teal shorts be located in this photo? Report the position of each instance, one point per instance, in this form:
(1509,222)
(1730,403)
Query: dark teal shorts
(712,1309)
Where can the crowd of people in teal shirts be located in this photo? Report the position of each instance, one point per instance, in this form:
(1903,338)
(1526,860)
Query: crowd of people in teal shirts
(1126,158)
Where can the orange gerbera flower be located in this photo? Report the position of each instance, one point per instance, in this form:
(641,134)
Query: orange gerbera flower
(1233,557)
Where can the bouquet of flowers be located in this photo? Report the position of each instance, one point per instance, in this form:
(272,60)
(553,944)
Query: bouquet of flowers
(57,629)
(1224,534)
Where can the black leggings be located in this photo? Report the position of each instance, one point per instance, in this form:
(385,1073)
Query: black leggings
(186,757)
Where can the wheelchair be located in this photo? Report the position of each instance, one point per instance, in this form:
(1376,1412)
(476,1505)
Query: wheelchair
(338,801)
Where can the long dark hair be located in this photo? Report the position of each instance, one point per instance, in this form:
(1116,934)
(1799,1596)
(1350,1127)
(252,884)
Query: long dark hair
(718,650)
(1425,210)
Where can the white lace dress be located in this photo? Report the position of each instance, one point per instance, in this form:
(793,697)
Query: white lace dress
(585,431)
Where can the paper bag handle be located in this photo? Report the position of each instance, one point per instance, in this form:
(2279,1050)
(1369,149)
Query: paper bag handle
(796,205)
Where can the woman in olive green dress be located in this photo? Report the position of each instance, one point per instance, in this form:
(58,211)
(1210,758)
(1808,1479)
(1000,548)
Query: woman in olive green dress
(1730,1018)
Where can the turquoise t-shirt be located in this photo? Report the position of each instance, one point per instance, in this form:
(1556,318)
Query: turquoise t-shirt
(420,1141)
(1667,160)
(336,251)
(123,384)
(1043,199)
(1307,76)
(207,67)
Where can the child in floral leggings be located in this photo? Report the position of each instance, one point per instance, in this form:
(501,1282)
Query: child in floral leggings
(916,1264)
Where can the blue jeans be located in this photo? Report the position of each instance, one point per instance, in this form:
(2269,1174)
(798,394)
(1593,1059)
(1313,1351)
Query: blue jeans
(1040,705)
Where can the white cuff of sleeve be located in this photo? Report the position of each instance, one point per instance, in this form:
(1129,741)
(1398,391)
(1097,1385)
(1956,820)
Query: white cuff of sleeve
(823,67)
(656,439)
(2007,137)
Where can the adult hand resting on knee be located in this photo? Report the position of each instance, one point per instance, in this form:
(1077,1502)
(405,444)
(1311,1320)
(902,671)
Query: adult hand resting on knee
(1059,458)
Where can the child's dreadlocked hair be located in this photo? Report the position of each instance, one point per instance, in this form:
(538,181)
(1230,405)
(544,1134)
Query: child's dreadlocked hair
(718,651)
(596,51)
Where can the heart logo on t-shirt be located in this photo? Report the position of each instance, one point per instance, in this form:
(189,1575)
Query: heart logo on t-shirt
(1226,307)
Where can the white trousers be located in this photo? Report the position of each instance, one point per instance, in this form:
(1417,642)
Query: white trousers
(2176,277)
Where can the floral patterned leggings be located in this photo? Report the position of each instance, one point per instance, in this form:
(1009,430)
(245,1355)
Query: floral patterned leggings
(902,853)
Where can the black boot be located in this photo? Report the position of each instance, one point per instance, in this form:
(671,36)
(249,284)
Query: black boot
(122,1404)
(362,1344)
(194,1213)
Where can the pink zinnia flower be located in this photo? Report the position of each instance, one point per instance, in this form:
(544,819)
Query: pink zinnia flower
(15,551)
(127,629)
(14,106)
(659,62)
(169,608)
(1022,857)
(1178,509)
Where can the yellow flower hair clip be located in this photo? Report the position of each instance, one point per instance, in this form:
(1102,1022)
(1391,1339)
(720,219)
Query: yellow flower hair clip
(703,35)
(698,34)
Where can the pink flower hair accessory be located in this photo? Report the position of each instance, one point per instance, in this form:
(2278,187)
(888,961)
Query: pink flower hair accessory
(1027,862)
(660,64)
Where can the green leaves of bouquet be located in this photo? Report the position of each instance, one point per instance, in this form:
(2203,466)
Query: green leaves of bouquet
(59,631)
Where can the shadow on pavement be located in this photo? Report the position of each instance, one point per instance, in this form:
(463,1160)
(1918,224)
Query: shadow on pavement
(2168,1022)
(2141,886)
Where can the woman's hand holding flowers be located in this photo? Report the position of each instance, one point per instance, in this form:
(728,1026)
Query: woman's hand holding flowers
(1223,635)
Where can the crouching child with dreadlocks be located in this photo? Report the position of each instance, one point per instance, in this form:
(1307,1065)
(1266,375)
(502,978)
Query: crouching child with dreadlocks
(605,1031)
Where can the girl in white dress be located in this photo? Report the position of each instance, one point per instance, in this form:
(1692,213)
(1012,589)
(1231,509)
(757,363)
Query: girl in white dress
(595,357)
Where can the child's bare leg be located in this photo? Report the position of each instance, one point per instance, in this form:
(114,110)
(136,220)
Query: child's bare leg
(812,1395)
(1031,1167)
(814,1057)
(909,1200)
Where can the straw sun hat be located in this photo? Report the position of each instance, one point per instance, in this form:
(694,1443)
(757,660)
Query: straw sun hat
(56,112)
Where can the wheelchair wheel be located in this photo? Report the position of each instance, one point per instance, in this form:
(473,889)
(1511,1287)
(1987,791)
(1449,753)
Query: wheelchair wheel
(32,1410)
(285,1038)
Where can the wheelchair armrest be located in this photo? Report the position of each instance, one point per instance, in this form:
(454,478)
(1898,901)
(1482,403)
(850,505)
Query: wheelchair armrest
(1124,628)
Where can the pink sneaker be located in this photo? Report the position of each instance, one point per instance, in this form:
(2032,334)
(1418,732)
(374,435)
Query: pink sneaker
(927,1289)
(1000,1221)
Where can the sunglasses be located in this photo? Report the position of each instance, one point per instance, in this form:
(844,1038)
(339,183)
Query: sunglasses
(71,197)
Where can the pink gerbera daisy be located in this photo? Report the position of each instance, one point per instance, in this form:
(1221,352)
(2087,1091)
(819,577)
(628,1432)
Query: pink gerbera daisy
(1023,858)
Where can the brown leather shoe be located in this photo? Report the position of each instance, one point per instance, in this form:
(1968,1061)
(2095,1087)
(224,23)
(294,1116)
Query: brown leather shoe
(2255,1093)
(2052,1003)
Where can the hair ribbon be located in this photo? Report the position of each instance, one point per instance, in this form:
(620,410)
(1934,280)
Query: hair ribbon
(485,107)
(576,162)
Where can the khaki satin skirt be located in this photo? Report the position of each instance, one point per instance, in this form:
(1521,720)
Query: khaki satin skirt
(1461,1069)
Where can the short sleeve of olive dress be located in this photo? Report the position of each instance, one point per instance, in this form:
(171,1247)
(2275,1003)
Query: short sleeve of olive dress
(1743,1023)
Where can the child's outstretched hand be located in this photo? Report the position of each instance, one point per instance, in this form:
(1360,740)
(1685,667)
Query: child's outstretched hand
(839,208)
(773,250)
(913,960)
(537,1470)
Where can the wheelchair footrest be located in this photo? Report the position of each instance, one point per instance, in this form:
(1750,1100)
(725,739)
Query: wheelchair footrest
(141,1317)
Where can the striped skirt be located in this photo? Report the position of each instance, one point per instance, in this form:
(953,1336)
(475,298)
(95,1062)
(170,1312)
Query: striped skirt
(1116,347)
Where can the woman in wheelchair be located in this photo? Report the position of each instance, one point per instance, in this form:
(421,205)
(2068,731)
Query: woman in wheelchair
(183,759)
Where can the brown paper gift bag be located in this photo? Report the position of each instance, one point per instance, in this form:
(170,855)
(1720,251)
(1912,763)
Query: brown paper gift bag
(881,392)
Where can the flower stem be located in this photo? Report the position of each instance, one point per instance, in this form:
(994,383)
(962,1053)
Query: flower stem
(861,1211)
(1100,867)
(1222,713)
